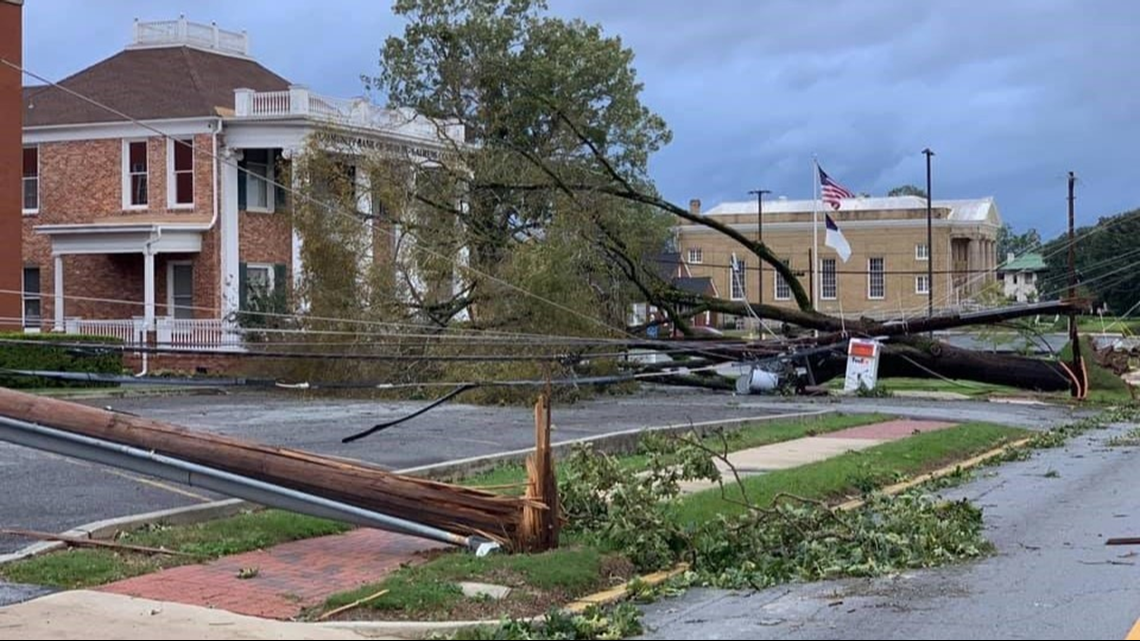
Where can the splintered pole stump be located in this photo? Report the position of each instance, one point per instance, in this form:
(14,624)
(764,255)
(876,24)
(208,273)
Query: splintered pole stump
(542,513)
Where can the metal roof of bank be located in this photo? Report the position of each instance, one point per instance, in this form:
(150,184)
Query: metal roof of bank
(963,210)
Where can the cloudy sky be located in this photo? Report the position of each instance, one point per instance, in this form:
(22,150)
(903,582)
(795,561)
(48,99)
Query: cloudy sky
(1009,94)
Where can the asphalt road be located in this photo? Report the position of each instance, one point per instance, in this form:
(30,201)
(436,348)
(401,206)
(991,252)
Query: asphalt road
(45,492)
(1051,578)
(50,493)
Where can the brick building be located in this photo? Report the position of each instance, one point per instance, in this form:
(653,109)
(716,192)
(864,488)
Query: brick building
(11,183)
(887,272)
(162,194)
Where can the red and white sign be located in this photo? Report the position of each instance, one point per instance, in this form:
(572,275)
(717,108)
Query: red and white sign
(862,364)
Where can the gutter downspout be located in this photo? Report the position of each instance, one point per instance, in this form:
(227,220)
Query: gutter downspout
(214,179)
(213,221)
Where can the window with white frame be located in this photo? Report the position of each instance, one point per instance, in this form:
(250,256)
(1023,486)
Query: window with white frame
(922,252)
(828,286)
(180,155)
(261,287)
(739,268)
(135,187)
(921,284)
(783,291)
(31,180)
(259,279)
(696,255)
(33,312)
(258,177)
(876,279)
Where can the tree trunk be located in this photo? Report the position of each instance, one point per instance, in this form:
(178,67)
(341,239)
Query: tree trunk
(922,358)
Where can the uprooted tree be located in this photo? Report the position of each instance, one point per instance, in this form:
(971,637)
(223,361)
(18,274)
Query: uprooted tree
(549,192)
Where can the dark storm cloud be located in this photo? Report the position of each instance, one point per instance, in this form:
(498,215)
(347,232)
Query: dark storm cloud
(1010,94)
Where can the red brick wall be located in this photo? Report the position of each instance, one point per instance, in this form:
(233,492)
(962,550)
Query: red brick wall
(265,238)
(82,181)
(189,363)
(11,185)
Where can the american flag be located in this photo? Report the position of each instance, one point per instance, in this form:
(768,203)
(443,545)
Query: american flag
(831,191)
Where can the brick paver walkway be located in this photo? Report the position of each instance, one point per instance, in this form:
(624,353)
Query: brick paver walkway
(290,577)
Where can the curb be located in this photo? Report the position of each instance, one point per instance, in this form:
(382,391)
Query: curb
(95,394)
(417,629)
(969,463)
(615,443)
(107,528)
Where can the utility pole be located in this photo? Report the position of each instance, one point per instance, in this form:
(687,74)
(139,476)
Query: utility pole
(759,193)
(929,241)
(1074,339)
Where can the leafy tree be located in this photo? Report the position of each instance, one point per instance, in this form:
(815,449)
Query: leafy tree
(1009,242)
(907,190)
(553,117)
(1105,257)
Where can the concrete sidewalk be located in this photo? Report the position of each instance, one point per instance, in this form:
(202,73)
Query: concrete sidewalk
(98,615)
(812,449)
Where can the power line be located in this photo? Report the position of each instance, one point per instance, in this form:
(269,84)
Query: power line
(356,355)
(332,208)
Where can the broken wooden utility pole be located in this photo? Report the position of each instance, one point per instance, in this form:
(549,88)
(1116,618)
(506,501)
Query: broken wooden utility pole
(543,518)
(416,506)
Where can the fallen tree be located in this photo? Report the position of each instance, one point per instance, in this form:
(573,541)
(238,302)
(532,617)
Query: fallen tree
(915,357)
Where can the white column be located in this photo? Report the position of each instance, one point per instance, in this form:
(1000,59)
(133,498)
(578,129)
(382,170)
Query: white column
(972,263)
(297,263)
(230,232)
(459,277)
(58,293)
(364,206)
(148,288)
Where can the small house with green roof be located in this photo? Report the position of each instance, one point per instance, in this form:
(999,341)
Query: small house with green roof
(1019,275)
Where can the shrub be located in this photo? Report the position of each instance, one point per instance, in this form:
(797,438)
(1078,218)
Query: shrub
(49,355)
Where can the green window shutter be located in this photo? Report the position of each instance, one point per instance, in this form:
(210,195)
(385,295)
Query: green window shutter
(280,287)
(241,186)
(243,287)
(283,176)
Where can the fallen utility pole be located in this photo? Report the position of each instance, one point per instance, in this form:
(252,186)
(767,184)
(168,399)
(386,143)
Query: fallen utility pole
(293,479)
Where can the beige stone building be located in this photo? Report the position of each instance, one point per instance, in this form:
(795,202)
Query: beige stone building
(886,275)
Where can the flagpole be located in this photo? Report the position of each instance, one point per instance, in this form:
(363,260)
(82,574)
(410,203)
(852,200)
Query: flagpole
(815,234)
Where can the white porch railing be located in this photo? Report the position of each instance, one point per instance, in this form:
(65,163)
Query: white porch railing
(170,333)
(357,112)
(130,331)
(191,334)
(196,34)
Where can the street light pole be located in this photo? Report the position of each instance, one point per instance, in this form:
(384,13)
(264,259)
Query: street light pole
(759,193)
(929,241)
